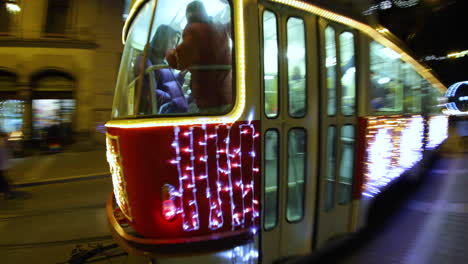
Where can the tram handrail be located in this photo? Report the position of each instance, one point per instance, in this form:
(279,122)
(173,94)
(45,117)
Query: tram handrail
(194,67)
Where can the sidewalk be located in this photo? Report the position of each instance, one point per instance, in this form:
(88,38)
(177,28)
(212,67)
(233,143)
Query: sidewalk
(74,163)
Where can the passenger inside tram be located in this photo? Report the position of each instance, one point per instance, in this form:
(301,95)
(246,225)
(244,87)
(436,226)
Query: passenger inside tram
(153,82)
(205,52)
(168,84)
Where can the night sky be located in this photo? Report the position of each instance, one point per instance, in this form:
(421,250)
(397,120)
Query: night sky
(433,27)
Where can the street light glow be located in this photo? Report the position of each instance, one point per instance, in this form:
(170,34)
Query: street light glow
(12,7)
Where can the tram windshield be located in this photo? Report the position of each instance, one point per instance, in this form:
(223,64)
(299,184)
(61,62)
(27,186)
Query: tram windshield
(178,62)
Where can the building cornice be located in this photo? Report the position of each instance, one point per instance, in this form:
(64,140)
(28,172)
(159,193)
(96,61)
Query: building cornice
(47,43)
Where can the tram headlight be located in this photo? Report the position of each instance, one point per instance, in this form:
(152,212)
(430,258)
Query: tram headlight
(168,207)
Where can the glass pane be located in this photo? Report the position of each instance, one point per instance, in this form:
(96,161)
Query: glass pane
(52,119)
(348,74)
(386,79)
(271,179)
(346,164)
(330,64)
(132,64)
(188,67)
(57,14)
(11,115)
(270,64)
(331,165)
(296,172)
(296,67)
(412,89)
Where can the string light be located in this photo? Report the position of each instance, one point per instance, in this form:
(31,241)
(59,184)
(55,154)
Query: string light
(118,180)
(193,167)
(394,145)
(438,131)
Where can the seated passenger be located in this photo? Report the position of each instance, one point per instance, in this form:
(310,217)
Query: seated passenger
(169,95)
(205,43)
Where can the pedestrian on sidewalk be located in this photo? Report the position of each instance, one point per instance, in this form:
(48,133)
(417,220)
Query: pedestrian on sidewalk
(4,158)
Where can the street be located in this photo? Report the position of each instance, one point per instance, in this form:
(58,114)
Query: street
(44,223)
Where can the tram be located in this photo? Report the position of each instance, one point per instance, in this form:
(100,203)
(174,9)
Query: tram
(281,121)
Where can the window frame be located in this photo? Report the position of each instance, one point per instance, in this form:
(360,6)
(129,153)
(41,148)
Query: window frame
(304,176)
(68,24)
(278,183)
(305,71)
(150,117)
(353,163)
(262,61)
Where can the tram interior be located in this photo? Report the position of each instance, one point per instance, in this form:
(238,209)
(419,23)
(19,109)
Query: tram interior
(169,13)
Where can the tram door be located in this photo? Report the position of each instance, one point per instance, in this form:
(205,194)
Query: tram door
(289,129)
(338,129)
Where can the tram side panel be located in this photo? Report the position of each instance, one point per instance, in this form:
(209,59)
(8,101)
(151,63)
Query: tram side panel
(187,181)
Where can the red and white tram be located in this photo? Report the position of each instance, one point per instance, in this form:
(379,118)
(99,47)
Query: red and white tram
(325,112)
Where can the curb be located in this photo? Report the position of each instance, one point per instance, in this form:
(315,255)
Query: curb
(62,180)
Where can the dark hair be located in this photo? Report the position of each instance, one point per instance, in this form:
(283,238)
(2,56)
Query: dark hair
(196,12)
(160,40)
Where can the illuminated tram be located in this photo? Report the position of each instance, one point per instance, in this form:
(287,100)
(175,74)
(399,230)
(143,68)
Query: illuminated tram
(324,112)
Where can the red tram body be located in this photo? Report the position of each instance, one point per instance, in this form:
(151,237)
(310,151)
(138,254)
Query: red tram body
(327,112)
(211,170)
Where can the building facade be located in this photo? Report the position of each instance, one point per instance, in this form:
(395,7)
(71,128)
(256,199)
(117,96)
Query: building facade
(58,67)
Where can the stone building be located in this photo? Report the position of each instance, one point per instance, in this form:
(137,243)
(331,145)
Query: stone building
(58,67)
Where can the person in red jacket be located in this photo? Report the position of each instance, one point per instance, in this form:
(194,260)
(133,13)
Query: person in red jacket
(206,53)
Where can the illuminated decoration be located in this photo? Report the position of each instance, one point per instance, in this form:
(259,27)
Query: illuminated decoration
(411,144)
(454,87)
(454,55)
(438,131)
(371,32)
(394,145)
(239,105)
(118,180)
(242,254)
(230,180)
(457,55)
(452,107)
(405,3)
(12,6)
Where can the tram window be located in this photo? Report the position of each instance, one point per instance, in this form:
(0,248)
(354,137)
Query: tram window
(296,67)
(131,65)
(432,96)
(270,218)
(346,164)
(270,64)
(412,89)
(386,79)
(297,143)
(348,73)
(331,165)
(183,74)
(330,64)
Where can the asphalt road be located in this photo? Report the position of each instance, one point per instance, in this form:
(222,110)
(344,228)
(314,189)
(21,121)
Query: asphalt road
(43,224)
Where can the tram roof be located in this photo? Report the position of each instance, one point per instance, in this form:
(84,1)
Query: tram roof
(376,32)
